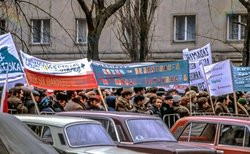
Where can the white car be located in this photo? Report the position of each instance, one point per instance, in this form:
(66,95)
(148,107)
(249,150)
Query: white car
(72,135)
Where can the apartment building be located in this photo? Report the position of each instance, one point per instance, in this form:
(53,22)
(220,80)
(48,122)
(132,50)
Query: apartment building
(57,30)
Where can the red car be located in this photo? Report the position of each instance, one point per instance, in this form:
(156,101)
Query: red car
(228,134)
(140,132)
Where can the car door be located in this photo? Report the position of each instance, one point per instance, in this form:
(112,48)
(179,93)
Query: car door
(199,133)
(233,139)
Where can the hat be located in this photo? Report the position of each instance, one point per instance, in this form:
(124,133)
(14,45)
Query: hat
(168,97)
(160,91)
(243,101)
(35,92)
(176,98)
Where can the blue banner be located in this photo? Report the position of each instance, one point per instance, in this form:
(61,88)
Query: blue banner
(241,78)
(141,74)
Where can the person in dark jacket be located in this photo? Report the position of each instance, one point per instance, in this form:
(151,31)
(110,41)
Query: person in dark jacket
(167,105)
(155,109)
(60,103)
(110,100)
(222,105)
(139,105)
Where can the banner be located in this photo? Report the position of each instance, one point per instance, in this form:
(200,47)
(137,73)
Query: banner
(77,67)
(141,74)
(198,58)
(13,80)
(219,78)
(58,82)
(241,78)
(8,57)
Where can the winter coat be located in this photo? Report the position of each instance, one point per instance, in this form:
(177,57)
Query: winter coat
(166,109)
(57,107)
(182,110)
(73,106)
(155,111)
(221,108)
(140,109)
(122,104)
(16,103)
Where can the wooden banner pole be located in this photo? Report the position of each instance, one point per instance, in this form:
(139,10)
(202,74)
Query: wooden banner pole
(235,104)
(103,101)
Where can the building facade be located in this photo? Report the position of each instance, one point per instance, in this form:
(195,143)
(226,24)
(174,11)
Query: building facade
(57,30)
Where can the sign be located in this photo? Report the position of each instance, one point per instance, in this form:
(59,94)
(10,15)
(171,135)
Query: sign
(58,82)
(141,74)
(77,67)
(9,59)
(198,58)
(219,78)
(241,78)
(13,80)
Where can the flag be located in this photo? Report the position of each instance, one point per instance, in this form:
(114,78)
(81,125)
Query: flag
(4,98)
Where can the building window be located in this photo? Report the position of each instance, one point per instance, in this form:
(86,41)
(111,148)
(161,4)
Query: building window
(236,31)
(40,31)
(81,31)
(184,28)
(2,27)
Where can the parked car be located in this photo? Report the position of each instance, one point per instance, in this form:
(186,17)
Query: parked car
(138,132)
(72,135)
(17,138)
(229,134)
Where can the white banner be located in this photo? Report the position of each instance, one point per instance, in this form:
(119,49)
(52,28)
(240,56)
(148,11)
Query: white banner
(197,58)
(9,59)
(76,67)
(219,78)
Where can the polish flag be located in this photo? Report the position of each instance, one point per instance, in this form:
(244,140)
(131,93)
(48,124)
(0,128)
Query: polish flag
(4,98)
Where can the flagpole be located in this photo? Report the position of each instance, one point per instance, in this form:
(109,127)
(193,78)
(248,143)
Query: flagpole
(103,101)
(208,89)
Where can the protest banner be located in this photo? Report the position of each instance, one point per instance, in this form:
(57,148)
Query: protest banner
(9,58)
(219,78)
(141,75)
(76,67)
(58,82)
(13,80)
(198,58)
(241,78)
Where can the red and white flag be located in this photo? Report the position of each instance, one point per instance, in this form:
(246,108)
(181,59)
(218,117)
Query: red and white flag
(4,98)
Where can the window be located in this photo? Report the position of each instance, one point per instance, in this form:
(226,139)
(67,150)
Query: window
(236,31)
(234,135)
(200,132)
(184,28)
(2,27)
(81,31)
(40,31)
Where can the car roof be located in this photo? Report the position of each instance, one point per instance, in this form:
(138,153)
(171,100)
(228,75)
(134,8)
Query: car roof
(113,114)
(243,120)
(52,120)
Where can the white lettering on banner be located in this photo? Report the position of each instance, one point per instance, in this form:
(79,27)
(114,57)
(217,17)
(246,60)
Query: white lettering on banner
(12,67)
(219,78)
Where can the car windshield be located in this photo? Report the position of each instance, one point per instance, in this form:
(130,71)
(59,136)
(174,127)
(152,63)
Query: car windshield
(149,130)
(87,135)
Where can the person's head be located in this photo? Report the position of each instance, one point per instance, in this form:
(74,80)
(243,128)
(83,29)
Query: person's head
(118,92)
(168,100)
(191,94)
(203,103)
(139,100)
(172,92)
(176,100)
(95,102)
(36,95)
(84,97)
(91,94)
(19,85)
(158,102)
(153,90)
(160,92)
(243,101)
(127,94)
(71,94)
(62,98)
(139,90)
(18,92)
(224,99)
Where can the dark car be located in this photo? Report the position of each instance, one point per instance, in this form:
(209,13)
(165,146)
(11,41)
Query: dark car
(17,138)
(229,134)
(139,132)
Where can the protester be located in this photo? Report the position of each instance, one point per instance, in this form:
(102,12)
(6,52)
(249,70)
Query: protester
(123,102)
(203,105)
(95,104)
(242,106)
(60,103)
(110,100)
(139,104)
(28,102)
(74,104)
(222,105)
(155,109)
(15,100)
(178,108)
(167,105)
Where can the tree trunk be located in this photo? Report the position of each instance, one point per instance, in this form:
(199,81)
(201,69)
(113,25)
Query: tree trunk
(246,49)
(93,41)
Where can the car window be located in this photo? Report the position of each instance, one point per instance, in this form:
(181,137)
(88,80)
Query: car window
(200,132)
(247,137)
(36,129)
(46,135)
(147,130)
(3,149)
(87,135)
(120,133)
(109,126)
(232,135)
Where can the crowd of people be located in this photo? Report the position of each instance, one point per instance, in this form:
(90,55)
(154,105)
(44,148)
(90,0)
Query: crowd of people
(154,101)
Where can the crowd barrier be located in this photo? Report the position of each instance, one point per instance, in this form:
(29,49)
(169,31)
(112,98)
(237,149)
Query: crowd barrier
(170,119)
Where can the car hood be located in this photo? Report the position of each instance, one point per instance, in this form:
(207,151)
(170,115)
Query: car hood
(169,147)
(102,150)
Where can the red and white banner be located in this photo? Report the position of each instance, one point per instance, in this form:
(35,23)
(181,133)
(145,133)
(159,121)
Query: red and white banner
(59,82)
(4,98)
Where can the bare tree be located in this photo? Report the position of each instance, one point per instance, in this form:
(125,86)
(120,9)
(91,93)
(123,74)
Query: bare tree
(96,23)
(135,28)
(246,49)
